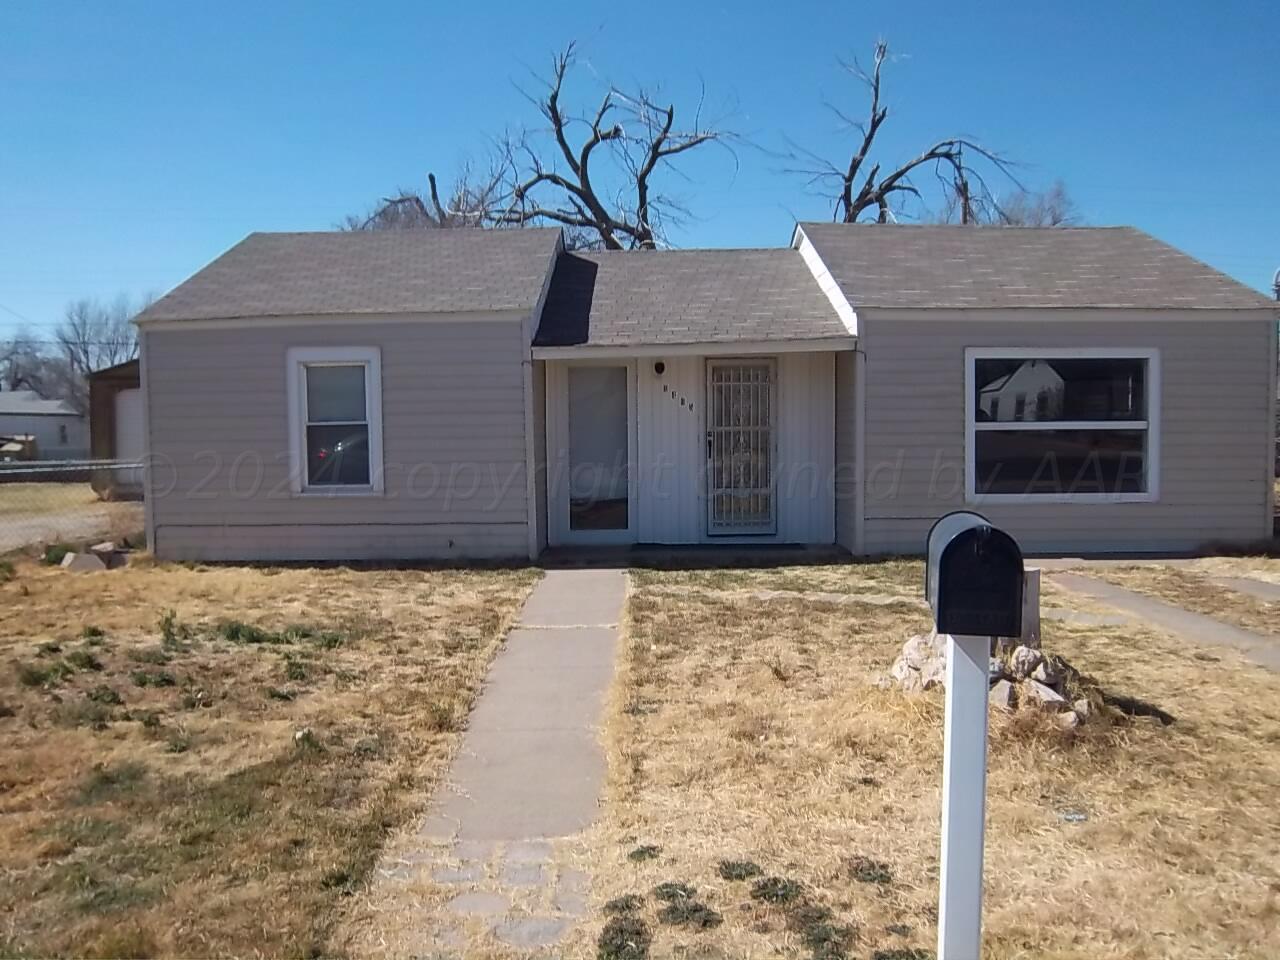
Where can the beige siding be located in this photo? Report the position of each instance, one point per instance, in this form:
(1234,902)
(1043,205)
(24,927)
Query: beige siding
(846,466)
(453,443)
(1214,413)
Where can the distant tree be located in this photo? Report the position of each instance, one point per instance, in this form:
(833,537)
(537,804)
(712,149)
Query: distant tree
(90,336)
(93,335)
(473,202)
(25,364)
(861,187)
(593,172)
(1022,208)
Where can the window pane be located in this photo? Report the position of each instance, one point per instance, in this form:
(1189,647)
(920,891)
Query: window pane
(1060,461)
(335,393)
(338,455)
(1037,390)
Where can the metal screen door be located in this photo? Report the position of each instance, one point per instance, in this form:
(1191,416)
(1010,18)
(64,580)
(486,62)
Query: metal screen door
(740,447)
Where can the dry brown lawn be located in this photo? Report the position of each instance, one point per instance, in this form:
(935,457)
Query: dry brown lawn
(216,780)
(18,499)
(752,730)
(1193,588)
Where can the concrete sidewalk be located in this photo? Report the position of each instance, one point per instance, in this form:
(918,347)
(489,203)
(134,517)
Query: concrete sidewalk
(1262,650)
(527,777)
(531,765)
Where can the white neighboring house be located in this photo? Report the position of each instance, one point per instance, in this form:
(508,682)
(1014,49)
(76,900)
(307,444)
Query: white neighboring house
(1034,391)
(60,433)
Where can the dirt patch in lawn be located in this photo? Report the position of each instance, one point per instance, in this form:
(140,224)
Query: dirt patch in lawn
(1192,589)
(754,760)
(205,761)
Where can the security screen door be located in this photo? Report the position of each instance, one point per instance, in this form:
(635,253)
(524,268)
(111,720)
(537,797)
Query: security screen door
(741,497)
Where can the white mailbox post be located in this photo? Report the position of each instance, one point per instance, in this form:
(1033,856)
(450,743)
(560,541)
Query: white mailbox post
(974,584)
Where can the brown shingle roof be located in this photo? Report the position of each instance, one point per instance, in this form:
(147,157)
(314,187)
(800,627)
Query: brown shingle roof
(889,265)
(386,271)
(656,297)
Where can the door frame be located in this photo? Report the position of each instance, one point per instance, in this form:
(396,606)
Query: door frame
(559,532)
(774,424)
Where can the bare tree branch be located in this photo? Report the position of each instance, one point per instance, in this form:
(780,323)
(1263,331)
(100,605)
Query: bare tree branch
(862,185)
(593,171)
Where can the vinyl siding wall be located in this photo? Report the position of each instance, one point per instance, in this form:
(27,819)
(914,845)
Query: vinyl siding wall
(1215,412)
(45,427)
(846,468)
(453,443)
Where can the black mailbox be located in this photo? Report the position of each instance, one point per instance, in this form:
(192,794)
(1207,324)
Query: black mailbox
(974,577)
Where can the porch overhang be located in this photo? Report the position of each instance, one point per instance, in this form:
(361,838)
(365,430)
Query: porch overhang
(736,348)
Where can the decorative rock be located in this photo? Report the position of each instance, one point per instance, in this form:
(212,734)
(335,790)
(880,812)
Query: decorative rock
(933,674)
(1082,708)
(106,550)
(996,670)
(83,563)
(919,650)
(1046,696)
(1069,720)
(1001,695)
(1023,661)
(1047,673)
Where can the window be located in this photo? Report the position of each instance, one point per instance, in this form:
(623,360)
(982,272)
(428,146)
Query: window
(1062,425)
(335,422)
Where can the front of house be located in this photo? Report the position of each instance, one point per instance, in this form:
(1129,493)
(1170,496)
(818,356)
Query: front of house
(485,394)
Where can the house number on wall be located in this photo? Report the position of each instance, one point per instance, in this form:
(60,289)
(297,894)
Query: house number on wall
(676,396)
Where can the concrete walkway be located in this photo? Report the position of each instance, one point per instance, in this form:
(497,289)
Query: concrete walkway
(1262,650)
(529,772)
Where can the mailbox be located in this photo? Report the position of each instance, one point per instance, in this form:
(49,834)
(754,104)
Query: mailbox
(974,577)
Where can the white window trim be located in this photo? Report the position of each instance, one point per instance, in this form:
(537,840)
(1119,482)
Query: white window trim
(1151,424)
(299,357)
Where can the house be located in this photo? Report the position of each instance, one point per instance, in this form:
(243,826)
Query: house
(115,428)
(465,394)
(52,427)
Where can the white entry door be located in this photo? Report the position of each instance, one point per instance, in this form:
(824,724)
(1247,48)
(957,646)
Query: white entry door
(741,447)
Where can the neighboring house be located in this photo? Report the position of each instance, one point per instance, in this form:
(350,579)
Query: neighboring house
(1034,390)
(115,427)
(466,393)
(58,431)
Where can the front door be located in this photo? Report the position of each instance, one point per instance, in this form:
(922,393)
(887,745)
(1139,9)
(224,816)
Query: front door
(741,495)
(592,483)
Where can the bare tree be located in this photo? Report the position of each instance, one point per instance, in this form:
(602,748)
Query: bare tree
(1047,208)
(26,365)
(91,336)
(473,202)
(860,186)
(593,172)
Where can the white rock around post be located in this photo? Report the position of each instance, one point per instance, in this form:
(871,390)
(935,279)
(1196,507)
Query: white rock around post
(1001,695)
(1044,695)
(1024,661)
(83,563)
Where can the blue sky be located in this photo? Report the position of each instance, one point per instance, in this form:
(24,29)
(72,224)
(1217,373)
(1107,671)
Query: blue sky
(139,140)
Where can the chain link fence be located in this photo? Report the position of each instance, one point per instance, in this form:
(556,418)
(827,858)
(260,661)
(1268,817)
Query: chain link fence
(44,503)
